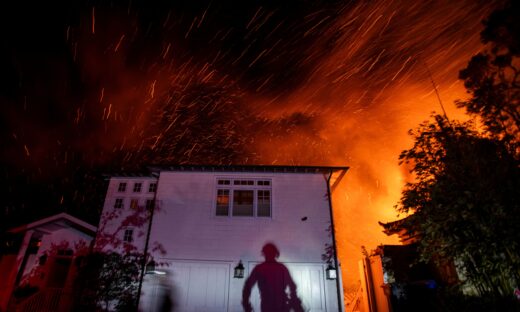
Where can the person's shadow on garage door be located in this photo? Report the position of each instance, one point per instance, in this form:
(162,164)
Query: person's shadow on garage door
(276,286)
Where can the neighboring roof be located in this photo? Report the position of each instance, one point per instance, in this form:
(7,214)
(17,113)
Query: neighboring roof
(56,222)
(398,227)
(248,168)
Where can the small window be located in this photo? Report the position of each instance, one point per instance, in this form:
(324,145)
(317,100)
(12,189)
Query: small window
(243,203)
(137,187)
(128,235)
(264,182)
(244,182)
(223,182)
(222,202)
(152,187)
(118,203)
(122,187)
(263,208)
(149,204)
(134,203)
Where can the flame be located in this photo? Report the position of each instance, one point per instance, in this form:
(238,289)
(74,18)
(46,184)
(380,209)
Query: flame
(342,89)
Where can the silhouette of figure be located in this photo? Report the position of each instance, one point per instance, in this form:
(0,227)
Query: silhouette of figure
(165,300)
(277,288)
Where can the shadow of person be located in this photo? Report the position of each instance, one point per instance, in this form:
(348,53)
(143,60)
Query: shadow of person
(165,290)
(277,288)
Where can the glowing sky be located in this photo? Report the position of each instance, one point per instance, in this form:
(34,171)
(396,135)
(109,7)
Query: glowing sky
(89,87)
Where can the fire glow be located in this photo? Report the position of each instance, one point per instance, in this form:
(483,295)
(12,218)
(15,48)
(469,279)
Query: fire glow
(355,81)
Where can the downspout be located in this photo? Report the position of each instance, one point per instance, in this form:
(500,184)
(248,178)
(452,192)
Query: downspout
(143,264)
(336,263)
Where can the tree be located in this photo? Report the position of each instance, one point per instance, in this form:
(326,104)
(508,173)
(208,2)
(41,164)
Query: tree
(108,278)
(492,77)
(107,281)
(465,203)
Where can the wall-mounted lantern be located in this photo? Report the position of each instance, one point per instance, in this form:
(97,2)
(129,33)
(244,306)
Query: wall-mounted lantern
(239,270)
(150,268)
(331,272)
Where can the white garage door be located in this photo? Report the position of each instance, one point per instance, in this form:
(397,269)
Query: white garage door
(201,286)
(188,287)
(310,285)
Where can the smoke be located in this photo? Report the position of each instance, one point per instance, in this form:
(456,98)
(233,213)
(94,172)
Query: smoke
(304,83)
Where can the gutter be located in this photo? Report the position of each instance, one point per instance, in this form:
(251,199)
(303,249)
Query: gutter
(336,262)
(145,254)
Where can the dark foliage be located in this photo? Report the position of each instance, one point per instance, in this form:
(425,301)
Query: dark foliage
(107,281)
(465,203)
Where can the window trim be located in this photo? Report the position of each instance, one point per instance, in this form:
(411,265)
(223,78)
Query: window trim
(136,201)
(121,187)
(120,200)
(150,187)
(132,238)
(231,187)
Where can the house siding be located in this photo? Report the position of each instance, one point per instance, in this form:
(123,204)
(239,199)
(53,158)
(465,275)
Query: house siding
(186,225)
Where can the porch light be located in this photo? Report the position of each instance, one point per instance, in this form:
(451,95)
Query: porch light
(150,268)
(239,270)
(331,272)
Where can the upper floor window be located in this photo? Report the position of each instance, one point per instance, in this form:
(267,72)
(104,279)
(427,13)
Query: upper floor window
(122,187)
(137,187)
(149,204)
(134,203)
(152,187)
(243,198)
(128,235)
(118,203)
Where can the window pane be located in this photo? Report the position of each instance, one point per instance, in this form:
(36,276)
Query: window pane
(222,202)
(264,203)
(152,187)
(243,203)
(122,187)
(149,204)
(137,187)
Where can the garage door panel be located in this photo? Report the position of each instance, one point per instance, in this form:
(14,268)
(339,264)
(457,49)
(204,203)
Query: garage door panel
(200,286)
(309,280)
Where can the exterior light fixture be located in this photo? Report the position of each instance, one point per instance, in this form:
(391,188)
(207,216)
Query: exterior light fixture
(239,270)
(331,272)
(150,268)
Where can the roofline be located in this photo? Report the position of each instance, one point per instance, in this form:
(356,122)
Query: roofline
(81,224)
(248,168)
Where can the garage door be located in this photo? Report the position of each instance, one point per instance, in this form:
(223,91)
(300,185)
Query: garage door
(310,285)
(188,287)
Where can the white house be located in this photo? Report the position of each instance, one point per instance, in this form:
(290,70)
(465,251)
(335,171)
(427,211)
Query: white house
(210,221)
(36,264)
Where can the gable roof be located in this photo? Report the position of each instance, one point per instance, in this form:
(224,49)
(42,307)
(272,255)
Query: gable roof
(56,222)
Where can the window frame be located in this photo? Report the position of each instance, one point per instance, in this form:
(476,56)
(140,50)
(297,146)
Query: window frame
(134,203)
(154,187)
(121,187)
(138,187)
(125,231)
(119,203)
(233,186)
